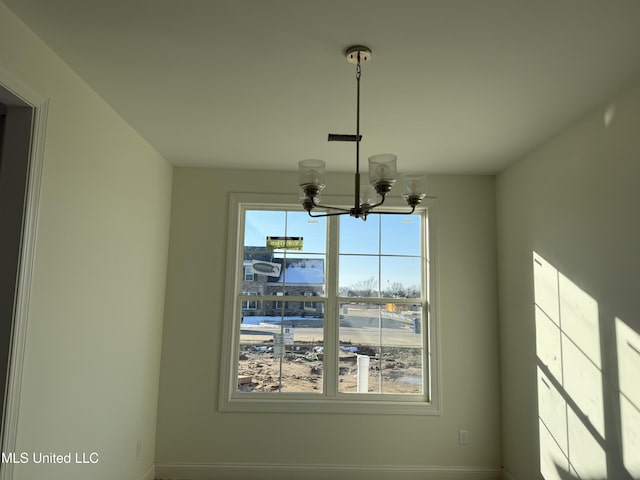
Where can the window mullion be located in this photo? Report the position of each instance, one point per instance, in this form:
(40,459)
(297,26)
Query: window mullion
(332,313)
(380,347)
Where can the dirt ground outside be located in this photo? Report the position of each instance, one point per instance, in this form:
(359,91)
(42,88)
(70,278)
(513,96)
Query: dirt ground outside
(394,368)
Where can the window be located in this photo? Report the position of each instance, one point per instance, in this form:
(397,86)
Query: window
(363,342)
(248,274)
(309,305)
(249,304)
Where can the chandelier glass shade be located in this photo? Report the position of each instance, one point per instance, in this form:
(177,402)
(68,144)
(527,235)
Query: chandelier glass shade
(382,171)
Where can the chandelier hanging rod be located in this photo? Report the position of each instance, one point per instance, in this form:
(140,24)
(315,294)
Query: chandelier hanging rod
(382,170)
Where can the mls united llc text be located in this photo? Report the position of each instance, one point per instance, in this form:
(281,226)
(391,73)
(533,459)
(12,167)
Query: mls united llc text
(51,457)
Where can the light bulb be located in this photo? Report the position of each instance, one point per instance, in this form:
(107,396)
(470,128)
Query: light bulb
(414,187)
(383,172)
(311,173)
(312,176)
(414,183)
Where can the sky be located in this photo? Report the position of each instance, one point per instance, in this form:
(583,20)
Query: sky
(395,237)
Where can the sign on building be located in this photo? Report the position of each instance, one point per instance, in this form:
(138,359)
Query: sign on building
(265,268)
(284,243)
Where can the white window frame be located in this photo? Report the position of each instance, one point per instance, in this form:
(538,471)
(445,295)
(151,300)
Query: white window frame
(229,400)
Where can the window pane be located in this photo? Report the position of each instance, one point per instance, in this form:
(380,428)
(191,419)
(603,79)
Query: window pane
(352,369)
(359,335)
(401,277)
(361,237)
(401,370)
(401,325)
(282,352)
(286,274)
(312,230)
(400,235)
(268,271)
(302,274)
(359,276)
(391,336)
(260,224)
(261,272)
(259,265)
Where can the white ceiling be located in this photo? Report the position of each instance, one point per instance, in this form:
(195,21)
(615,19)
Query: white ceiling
(454,86)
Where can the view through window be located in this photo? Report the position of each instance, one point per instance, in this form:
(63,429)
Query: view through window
(331,306)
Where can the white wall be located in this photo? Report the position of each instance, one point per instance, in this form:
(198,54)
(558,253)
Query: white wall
(191,431)
(94,331)
(573,201)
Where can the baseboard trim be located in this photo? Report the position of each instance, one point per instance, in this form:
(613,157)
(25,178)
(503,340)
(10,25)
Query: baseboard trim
(150,474)
(507,475)
(241,471)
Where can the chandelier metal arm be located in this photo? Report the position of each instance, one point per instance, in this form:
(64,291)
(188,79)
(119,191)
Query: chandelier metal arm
(383,212)
(384,197)
(363,214)
(318,205)
(359,211)
(331,214)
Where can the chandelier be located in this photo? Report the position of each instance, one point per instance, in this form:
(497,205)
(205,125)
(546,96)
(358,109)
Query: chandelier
(382,169)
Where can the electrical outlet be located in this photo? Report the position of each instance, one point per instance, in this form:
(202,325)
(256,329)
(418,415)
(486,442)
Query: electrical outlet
(463,437)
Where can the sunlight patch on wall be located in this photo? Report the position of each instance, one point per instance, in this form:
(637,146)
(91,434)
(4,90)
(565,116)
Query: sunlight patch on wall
(586,454)
(552,455)
(583,383)
(552,414)
(628,343)
(548,344)
(570,384)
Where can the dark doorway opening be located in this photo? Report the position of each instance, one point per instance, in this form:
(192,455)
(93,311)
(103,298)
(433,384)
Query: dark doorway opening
(16,126)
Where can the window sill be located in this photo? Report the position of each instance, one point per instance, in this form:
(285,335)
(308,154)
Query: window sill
(334,405)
